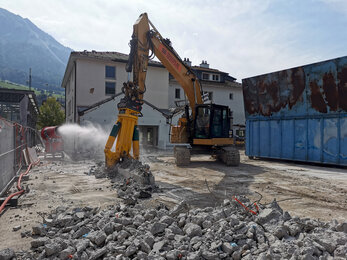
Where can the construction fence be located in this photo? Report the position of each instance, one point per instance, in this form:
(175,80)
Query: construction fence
(14,138)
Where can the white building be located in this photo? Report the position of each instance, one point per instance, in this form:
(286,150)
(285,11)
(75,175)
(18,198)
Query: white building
(93,82)
(91,77)
(222,89)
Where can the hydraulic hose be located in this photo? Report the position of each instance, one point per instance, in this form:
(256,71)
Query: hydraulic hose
(20,190)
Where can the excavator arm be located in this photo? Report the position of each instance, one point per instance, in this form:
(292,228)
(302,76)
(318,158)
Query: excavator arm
(146,38)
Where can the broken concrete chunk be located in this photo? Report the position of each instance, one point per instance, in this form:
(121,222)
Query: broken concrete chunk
(39,230)
(158,246)
(192,230)
(149,240)
(132,249)
(83,231)
(180,208)
(98,253)
(167,220)
(66,253)
(82,245)
(145,247)
(158,228)
(228,248)
(172,255)
(100,238)
(193,256)
(108,228)
(117,227)
(80,214)
(209,255)
(327,242)
(342,227)
(38,242)
(52,248)
(267,215)
(7,254)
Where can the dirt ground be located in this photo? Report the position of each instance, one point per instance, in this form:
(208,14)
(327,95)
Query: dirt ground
(53,184)
(301,189)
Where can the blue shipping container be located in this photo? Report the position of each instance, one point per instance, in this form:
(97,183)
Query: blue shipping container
(298,114)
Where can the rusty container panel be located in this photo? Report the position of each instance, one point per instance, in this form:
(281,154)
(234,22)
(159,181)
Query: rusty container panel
(299,113)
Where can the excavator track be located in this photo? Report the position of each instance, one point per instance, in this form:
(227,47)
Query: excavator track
(182,155)
(230,156)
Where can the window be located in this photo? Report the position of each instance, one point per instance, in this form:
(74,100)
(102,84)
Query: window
(215,77)
(110,72)
(231,96)
(205,76)
(177,93)
(110,88)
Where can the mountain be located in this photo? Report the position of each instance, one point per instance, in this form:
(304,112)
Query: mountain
(22,46)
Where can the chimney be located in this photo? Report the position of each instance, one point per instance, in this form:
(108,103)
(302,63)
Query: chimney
(204,64)
(187,62)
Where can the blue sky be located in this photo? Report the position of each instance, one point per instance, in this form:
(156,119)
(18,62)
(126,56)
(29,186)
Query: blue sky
(242,37)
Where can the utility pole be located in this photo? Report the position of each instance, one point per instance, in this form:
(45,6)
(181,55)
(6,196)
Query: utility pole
(29,78)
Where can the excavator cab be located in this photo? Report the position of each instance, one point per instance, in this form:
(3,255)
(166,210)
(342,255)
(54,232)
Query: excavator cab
(211,121)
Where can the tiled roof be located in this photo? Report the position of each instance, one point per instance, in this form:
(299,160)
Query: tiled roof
(109,56)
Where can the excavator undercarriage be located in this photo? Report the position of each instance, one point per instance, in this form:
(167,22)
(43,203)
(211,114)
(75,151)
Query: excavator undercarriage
(229,155)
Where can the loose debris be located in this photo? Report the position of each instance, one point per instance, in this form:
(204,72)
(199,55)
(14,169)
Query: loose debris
(224,232)
(131,230)
(132,179)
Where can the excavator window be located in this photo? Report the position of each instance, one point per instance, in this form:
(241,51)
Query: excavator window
(212,121)
(217,123)
(202,122)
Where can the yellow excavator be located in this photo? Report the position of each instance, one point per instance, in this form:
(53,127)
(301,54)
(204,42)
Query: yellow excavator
(203,128)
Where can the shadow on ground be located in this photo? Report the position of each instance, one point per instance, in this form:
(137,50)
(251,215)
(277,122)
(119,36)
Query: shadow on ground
(235,181)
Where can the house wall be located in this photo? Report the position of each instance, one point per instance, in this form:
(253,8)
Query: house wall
(221,97)
(91,80)
(91,83)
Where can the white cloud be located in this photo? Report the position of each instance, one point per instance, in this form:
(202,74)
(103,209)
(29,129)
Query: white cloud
(239,36)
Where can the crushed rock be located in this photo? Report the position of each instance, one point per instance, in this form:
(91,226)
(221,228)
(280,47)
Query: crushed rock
(224,232)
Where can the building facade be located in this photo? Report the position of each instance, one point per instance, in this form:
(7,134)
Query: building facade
(91,77)
(93,82)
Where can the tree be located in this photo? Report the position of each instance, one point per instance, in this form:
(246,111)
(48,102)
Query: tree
(51,113)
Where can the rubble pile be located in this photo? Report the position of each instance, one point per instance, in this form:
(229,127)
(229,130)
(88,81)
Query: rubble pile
(127,168)
(132,179)
(224,232)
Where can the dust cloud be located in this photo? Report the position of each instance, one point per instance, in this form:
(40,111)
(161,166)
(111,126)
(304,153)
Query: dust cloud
(83,142)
